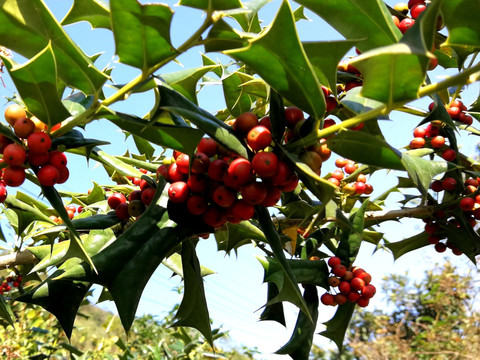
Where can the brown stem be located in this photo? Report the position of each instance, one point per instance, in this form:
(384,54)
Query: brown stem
(19,258)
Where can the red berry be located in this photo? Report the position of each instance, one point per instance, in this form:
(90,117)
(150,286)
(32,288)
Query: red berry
(467,204)
(353,296)
(197,204)
(334,260)
(327,299)
(350,168)
(116,199)
(366,277)
(200,163)
(242,210)
(265,164)
(178,192)
(14,176)
(434,239)
(214,217)
(183,163)
(147,195)
(48,175)
(419,132)
(357,284)
(440,247)
(245,122)
(135,195)
(273,196)
(197,183)
(339,270)
(38,159)
(369,291)
(240,170)
(405,24)
(438,141)
(449,184)
(217,170)
(254,193)
(340,299)
(3,193)
(416,10)
(24,127)
(224,196)
(293,115)
(122,211)
(417,143)
(437,185)
(57,158)
(259,138)
(14,154)
(449,155)
(39,142)
(208,146)
(344,287)
(363,301)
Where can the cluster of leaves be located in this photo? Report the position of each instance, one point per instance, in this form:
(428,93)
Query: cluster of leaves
(96,248)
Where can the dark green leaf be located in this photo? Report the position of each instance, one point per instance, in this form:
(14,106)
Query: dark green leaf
(77,103)
(238,101)
(274,311)
(223,37)
(402,247)
(172,101)
(365,148)
(32,22)
(6,312)
(285,68)
(142,33)
(36,82)
(215,4)
(286,283)
(337,326)
(367,20)
(357,103)
(300,343)
(13,203)
(193,310)
(74,139)
(174,263)
(94,11)
(61,298)
(236,235)
(181,138)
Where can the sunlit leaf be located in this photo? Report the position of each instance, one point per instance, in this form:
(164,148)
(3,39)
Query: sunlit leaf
(223,37)
(422,171)
(238,101)
(35,25)
(464,33)
(36,82)
(6,312)
(142,33)
(338,324)
(367,20)
(96,12)
(215,4)
(285,68)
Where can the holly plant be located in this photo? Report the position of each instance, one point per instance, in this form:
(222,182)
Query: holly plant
(250,172)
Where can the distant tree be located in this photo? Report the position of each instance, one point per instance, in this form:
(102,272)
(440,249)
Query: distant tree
(433,319)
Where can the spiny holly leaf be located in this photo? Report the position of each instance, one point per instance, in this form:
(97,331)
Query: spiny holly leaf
(236,235)
(74,139)
(135,273)
(238,101)
(313,272)
(77,103)
(464,237)
(6,312)
(357,103)
(76,248)
(395,72)
(181,138)
(94,11)
(285,68)
(324,57)
(173,101)
(365,148)
(369,21)
(36,82)
(61,298)
(287,283)
(7,131)
(248,19)
(300,343)
(273,312)
(422,171)
(337,326)
(402,247)
(186,81)
(174,263)
(142,33)
(193,310)
(465,33)
(93,243)
(31,21)
(212,4)
(223,37)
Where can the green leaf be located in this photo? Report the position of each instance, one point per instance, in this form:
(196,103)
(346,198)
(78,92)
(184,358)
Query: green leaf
(357,103)
(172,101)
(285,68)
(144,147)
(181,138)
(324,57)
(76,248)
(300,343)
(74,139)
(94,11)
(304,271)
(193,310)
(6,312)
(61,298)
(174,263)
(338,324)
(464,33)
(13,203)
(356,19)
(185,81)
(31,21)
(142,33)
(238,101)
(212,4)
(236,235)
(394,73)
(274,311)
(36,82)
(365,148)
(287,283)
(402,247)
(223,37)
(422,171)
(77,103)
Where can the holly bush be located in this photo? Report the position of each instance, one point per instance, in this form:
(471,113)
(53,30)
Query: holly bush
(249,172)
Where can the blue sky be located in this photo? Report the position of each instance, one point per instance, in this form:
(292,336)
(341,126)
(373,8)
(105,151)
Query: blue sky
(235,292)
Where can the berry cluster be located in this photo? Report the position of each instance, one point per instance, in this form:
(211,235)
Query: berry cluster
(137,201)
(32,150)
(71,210)
(358,187)
(218,186)
(10,282)
(353,285)
(414,8)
